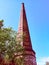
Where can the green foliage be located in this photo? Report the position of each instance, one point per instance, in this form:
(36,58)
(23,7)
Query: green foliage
(9,46)
(7,40)
(1,20)
(1,23)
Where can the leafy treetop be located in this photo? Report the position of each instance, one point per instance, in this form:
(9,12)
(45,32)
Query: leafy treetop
(9,46)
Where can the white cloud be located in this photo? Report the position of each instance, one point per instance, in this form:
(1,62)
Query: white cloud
(42,60)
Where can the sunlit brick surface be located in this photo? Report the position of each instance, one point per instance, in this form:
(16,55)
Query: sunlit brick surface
(29,57)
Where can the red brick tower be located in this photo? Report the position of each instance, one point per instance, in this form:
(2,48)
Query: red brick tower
(30,58)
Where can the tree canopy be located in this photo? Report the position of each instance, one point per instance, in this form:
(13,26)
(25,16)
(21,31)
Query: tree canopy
(9,46)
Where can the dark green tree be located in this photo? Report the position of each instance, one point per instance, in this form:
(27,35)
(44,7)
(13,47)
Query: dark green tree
(1,23)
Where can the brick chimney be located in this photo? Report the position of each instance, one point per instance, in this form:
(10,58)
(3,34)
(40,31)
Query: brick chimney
(23,29)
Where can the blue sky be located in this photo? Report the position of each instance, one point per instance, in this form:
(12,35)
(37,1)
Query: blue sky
(37,12)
